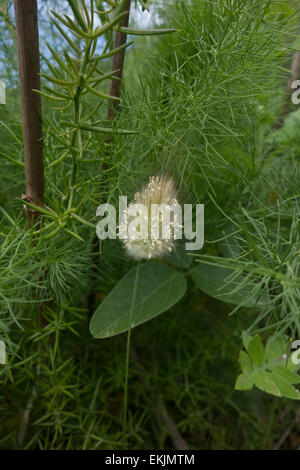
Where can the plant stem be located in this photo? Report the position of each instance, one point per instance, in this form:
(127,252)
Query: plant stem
(29,69)
(77,117)
(168,421)
(118,64)
(128,345)
(26,19)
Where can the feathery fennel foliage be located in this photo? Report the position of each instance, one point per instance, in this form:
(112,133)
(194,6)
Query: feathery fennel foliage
(201,110)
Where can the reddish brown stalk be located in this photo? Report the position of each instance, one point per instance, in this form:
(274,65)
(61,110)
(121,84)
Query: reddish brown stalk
(26,19)
(118,64)
(29,69)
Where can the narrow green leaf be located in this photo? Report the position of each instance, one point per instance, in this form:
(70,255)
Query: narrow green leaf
(9,218)
(64,34)
(72,62)
(70,25)
(81,32)
(66,83)
(43,211)
(13,135)
(50,97)
(73,234)
(106,130)
(13,160)
(144,32)
(145,5)
(55,92)
(105,76)
(101,94)
(59,60)
(112,52)
(83,221)
(100,30)
(77,13)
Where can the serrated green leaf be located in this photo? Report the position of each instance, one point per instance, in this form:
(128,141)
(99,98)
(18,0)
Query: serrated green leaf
(286,389)
(244,382)
(288,375)
(246,340)
(159,287)
(264,382)
(275,348)
(256,351)
(245,362)
(268,369)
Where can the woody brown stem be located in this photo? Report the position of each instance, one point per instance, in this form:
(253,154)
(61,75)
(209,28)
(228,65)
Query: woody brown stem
(118,64)
(26,19)
(29,69)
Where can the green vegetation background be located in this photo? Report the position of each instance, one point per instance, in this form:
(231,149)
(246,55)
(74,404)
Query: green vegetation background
(205,101)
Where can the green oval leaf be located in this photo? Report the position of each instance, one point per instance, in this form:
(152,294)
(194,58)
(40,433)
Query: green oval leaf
(159,287)
(264,382)
(275,348)
(256,351)
(286,389)
(244,382)
(223,284)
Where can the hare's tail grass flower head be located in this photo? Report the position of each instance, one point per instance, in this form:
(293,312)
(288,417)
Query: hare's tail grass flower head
(150,221)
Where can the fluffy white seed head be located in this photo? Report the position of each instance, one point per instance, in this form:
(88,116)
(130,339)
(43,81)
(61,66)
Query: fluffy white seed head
(150,221)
